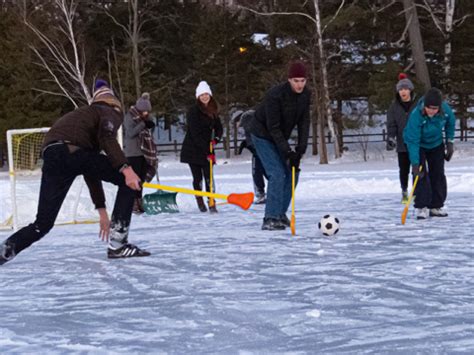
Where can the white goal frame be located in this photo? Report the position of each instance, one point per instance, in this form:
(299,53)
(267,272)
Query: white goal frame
(13,221)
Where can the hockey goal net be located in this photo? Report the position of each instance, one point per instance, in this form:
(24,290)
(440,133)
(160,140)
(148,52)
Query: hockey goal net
(25,162)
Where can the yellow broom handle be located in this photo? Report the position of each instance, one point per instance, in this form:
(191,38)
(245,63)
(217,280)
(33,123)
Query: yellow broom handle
(185,191)
(211,200)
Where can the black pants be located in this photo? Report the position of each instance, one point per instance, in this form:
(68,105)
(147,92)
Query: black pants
(258,172)
(199,172)
(60,168)
(403,169)
(431,190)
(139,166)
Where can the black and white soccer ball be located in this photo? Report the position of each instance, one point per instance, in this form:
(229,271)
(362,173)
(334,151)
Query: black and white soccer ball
(329,225)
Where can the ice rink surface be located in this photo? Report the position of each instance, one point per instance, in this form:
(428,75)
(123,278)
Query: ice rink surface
(218,284)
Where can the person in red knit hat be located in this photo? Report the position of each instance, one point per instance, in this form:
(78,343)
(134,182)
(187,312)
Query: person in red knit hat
(284,107)
(397,117)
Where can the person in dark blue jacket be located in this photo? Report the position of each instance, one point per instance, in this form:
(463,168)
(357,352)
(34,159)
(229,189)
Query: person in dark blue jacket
(284,107)
(423,136)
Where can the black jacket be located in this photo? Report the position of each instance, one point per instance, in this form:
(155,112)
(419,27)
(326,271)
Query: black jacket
(397,118)
(279,113)
(198,136)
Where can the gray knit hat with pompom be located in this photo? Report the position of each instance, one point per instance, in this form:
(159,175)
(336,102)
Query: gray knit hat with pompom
(143,103)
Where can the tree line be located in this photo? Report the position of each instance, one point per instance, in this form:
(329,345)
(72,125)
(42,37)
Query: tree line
(52,51)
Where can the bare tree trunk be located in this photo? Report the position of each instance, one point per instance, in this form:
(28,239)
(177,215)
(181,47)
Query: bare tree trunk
(62,66)
(323,150)
(132,31)
(416,42)
(450,6)
(117,73)
(226,88)
(326,101)
(135,36)
(316,117)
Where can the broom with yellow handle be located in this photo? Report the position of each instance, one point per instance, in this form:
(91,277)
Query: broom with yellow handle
(407,206)
(293,218)
(243,200)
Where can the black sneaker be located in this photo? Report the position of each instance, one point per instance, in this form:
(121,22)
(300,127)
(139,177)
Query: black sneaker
(126,251)
(7,253)
(285,221)
(272,224)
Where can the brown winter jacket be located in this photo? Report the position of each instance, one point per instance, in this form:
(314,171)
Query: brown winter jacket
(91,128)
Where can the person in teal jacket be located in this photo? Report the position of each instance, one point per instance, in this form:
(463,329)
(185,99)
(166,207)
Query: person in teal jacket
(423,136)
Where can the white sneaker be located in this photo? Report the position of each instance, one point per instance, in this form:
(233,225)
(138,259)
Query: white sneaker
(438,212)
(260,199)
(422,213)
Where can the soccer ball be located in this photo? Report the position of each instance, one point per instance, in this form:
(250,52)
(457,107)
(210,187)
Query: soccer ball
(329,225)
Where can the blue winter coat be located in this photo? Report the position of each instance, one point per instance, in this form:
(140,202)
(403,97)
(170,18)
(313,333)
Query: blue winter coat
(426,132)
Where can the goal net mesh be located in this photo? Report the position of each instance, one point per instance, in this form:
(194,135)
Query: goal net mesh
(21,197)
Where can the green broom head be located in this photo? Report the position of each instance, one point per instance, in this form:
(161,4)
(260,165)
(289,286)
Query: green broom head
(160,202)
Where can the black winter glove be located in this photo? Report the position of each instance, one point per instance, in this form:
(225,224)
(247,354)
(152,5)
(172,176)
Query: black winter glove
(149,124)
(391,143)
(294,159)
(242,146)
(417,171)
(449,151)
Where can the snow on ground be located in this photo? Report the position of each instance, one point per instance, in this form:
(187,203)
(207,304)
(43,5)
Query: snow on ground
(218,284)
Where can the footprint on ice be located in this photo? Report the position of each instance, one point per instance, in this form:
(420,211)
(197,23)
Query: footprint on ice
(315,313)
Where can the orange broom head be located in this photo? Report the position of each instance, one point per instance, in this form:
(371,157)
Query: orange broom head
(244,201)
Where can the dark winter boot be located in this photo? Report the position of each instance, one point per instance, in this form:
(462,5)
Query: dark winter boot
(138,206)
(272,224)
(200,202)
(212,208)
(7,252)
(284,220)
(126,251)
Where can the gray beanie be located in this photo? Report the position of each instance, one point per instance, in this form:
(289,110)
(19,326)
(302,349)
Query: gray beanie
(143,103)
(404,82)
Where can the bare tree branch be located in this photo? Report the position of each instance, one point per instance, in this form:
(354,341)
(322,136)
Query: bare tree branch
(334,17)
(278,13)
(393,2)
(62,68)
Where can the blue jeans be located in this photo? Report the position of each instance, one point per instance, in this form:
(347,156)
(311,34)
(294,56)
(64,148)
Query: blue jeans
(279,177)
